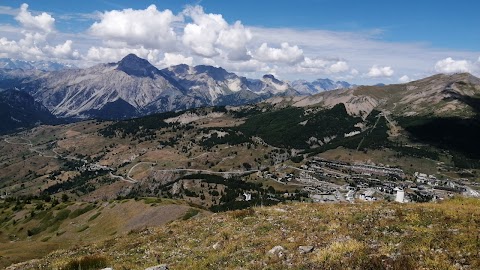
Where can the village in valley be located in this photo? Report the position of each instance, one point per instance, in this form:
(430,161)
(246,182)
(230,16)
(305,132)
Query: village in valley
(330,181)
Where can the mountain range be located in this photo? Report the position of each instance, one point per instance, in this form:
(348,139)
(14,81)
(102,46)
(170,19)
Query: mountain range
(9,63)
(134,87)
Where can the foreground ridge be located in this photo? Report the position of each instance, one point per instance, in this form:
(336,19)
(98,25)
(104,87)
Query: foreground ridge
(300,236)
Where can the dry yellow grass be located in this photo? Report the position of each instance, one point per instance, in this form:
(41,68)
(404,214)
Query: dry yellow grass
(101,221)
(344,236)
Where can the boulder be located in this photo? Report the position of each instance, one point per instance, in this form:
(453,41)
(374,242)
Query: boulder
(277,250)
(158,267)
(305,249)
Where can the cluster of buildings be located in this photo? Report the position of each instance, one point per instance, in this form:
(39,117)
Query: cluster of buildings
(360,168)
(431,181)
(93,167)
(369,182)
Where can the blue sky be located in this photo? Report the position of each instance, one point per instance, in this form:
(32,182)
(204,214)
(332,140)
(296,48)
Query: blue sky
(360,41)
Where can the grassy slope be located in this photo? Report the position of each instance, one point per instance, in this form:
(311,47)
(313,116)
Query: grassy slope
(345,236)
(97,222)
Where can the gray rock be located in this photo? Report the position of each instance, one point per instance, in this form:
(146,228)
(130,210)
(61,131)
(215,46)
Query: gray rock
(305,249)
(277,250)
(217,245)
(158,267)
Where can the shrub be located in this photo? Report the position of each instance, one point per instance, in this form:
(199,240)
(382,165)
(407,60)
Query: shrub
(190,213)
(242,213)
(94,216)
(81,211)
(86,263)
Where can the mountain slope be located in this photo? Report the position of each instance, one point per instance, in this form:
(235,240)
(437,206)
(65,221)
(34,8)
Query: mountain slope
(440,95)
(19,110)
(74,92)
(48,225)
(221,87)
(300,236)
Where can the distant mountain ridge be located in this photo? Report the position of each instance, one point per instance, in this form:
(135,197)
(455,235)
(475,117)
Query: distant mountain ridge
(134,87)
(8,63)
(319,85)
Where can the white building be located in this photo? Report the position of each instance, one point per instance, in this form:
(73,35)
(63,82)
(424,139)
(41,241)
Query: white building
(400,196)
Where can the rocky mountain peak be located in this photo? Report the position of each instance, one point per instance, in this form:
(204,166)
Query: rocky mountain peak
(136,66)
(272,78)
(217,73)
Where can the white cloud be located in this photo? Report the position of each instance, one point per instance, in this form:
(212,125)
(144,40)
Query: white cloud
(317,63)
(63,51)
(340,66)
(202,34)
(251,65)
(194,36)
(378,71)
(209,35)
(8,47)
(326,66)
(285,54)
(448,65)
(34,39)
(172,59)
(150,28)
(43,22)
(404,79)
(208,61)
(236,39)
(26,48)
(105,54)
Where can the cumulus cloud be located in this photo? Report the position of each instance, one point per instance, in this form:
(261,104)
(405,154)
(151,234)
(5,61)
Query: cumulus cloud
(378,71)
(202,34)
(340,66)
(63,51)
(235,38)
(449,65)
(319,65)
(251,65)
(43,22)
(106,54)
(404,79)
(209,34)
(171,59)
(23,49)
(35,39)
(285,54)
(150,27)
(195,36)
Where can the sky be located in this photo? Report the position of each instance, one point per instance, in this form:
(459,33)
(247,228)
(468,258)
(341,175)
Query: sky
(363,42)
